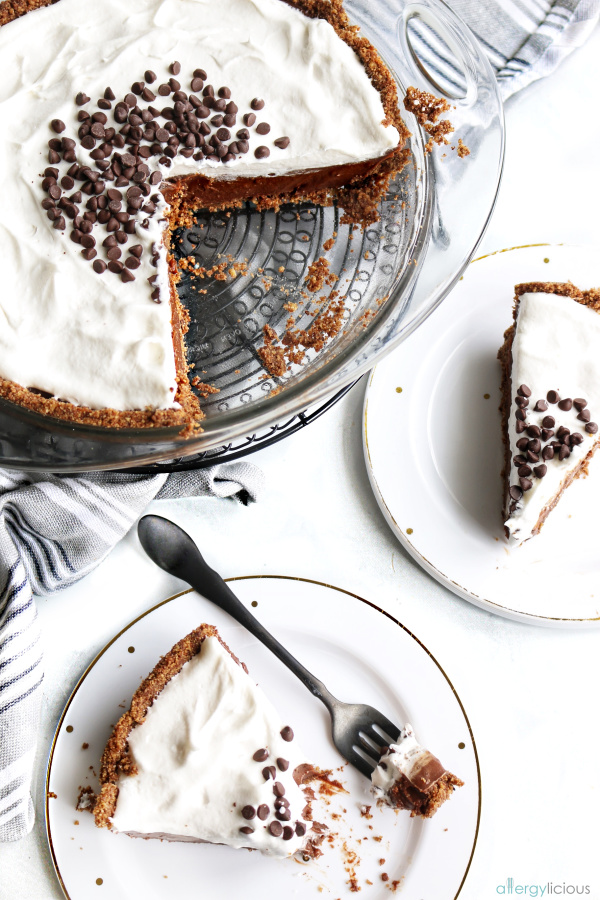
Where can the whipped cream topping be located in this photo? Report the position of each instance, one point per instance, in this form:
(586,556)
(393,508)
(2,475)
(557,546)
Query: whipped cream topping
(90,338)
(196,772)
(408,758)
(555,347)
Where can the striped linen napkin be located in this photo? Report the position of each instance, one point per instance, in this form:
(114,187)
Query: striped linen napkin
(524,39)
(53,531)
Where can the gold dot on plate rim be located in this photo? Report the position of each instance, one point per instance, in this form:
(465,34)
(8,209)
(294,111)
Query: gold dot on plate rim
(398,390)
(546,260)
(486,396)
(69,728)
(461,746)
(409,531)
(99,881)
(131,649)
(254,603)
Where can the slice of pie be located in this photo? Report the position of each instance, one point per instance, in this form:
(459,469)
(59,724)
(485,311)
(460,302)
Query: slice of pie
(410,777)
(550,399)
(118,121)
(201,755)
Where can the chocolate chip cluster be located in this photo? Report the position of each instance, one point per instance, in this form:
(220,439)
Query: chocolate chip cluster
(127,153)
(539,445)
(280,804)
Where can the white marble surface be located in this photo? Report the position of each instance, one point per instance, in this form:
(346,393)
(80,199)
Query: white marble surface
(529,692)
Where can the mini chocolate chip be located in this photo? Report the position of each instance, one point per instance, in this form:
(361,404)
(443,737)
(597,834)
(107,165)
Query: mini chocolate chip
(149,76)
(60,225)
(288,833)
(282,143)
(282,764)
(174,84)
(136,250)
(245,829)
(520,460)
(583,416)
(99,266)
(248,812)
(533,431)
(263,128)
(548,422)
(262,152)
(548,453)
(524,471)
(521,415)
(249,119)
(269,772)
(526,484)
(283,814)
(114,252)
(197,84)
(535,445)
(552,397)
(540,471)
(287,734)
(541,406)
(579,403)
(175,68)
(565,404)
(591,428)
(576,438)
(278,789)
(261,755)
(57,126)
(300,829)
(276,829)
(164,90)
(263,812)
(524,391)
(547,433)
(200,73)
(257,104)
(564,452)
(89,253)
(532,457)
(81,99)
(522,443)
(515,492)
(115,266)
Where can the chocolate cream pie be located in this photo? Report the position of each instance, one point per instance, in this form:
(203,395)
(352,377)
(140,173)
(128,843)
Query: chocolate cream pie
(202,756)
(410,777)
(550,399)
(118,120)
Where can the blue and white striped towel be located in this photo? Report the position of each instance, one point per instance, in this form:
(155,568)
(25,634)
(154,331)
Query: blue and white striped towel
(53,531)
(524,39)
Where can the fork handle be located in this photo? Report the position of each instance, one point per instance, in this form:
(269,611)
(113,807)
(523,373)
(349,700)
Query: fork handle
(209,583)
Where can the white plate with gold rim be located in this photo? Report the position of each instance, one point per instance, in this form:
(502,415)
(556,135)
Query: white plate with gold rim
(363,655)
(433,448)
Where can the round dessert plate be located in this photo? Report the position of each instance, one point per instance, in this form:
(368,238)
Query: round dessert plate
(433,448)
(363,655)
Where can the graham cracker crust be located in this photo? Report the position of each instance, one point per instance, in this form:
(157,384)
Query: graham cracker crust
(358,188)
(591,299)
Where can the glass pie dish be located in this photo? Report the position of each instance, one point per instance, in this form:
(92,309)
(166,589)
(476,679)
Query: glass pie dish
(391,276)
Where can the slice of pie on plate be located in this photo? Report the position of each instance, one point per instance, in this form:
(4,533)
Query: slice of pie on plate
(201,755)
(550,399)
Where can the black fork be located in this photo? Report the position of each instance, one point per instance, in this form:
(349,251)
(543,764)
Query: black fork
(359,731)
